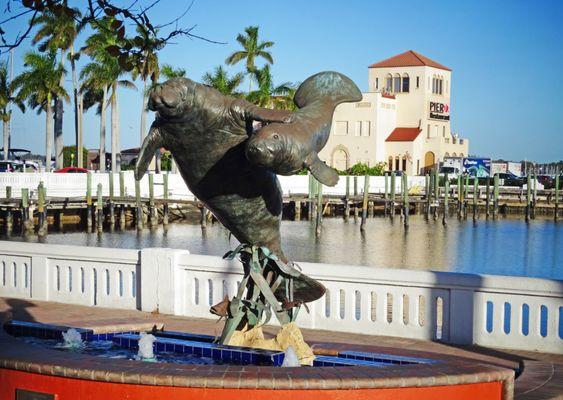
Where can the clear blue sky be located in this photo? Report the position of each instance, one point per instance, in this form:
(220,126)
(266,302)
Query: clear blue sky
(506,56)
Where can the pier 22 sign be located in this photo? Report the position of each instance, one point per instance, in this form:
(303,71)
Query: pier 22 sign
(439,111)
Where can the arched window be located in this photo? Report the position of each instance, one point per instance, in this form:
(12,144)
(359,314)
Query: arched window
(397,163)
(404,163)
(397,83)
(446,154)
(390,164)
(433,84)
(340,158)
(440,83)
(389,83)
(406,83)
(461,154)
(454,154)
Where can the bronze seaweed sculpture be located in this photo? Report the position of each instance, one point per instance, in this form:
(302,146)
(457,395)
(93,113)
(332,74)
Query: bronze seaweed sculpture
(231,169)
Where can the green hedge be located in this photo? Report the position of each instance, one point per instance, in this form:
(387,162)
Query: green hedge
(67,156)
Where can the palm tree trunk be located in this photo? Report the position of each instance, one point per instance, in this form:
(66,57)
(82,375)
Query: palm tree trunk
(59,143)
(103,131)
(115,156)
(144,112)
(77,137)
(6,136)
(80,144)
(48,133)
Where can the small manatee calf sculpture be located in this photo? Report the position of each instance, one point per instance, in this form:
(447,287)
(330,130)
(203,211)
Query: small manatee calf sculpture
(286,148)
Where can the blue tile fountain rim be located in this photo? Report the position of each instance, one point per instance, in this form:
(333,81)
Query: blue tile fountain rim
(203,346)
(224,353)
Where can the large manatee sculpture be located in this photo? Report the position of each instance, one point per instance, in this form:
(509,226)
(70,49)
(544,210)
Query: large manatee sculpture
(208,135)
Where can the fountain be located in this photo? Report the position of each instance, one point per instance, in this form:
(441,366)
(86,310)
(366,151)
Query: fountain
(146,346)
(72,339)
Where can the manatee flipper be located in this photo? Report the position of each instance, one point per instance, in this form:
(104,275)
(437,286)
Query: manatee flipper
(153,141)
(324,174)
(248,111)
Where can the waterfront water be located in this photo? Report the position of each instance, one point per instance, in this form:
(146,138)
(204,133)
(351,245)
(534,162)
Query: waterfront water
(504,247)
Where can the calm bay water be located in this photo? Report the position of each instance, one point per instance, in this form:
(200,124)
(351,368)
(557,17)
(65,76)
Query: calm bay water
(504,247)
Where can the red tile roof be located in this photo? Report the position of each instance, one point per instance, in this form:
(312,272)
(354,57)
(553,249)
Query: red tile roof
(408,59)
(403,135)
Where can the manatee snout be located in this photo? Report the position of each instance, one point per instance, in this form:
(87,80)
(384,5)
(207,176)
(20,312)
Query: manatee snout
(167,97)
(263,148)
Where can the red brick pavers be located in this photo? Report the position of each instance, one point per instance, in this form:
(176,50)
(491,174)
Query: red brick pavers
(105,319)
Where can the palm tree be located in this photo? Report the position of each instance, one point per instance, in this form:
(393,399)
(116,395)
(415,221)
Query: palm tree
(39,85)
(96,45)
(146,67)
(5,112)
(169,72)
(264,95)
(252,49)
(221,81)
(96,79)
(57,32)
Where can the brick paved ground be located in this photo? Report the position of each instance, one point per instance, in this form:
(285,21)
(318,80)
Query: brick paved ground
(542,374)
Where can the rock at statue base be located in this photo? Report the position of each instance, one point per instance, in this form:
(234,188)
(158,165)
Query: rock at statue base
(289,335)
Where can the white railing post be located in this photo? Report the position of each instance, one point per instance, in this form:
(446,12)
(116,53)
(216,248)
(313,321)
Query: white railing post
(461,325)
(40,278)
(160,286)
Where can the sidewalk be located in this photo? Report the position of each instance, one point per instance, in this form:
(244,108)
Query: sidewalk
(541,377)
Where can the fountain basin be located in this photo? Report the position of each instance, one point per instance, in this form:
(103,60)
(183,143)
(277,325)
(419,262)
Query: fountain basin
(349,373)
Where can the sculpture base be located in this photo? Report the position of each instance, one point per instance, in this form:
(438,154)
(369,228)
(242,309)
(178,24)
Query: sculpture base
(289,335)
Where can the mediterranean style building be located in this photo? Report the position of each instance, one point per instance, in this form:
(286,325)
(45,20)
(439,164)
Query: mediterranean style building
(403,119)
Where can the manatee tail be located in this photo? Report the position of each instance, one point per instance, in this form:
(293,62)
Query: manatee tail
(327,84)
(151,144)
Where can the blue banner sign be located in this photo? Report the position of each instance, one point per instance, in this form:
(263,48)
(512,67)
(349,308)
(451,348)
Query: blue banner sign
(479,167)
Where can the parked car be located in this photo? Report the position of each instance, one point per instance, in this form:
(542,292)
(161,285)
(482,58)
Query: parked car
(72,170)
(547,181)
(452,172)
(7,166)
(511,180)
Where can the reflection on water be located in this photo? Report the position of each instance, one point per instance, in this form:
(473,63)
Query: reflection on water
(504,247)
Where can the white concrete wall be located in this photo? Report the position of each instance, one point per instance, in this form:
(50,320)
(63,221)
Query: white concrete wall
(450,307)
(74,185)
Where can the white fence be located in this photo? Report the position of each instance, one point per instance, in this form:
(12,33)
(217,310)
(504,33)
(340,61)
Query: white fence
(506,312)
(74,185)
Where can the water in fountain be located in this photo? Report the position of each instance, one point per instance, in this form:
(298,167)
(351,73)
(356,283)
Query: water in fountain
(290,359)
(72,339)
(146,346)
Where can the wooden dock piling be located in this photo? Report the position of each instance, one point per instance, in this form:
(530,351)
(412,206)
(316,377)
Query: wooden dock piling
(138,206)
(347,200)
(446,198)
(386,195)
(99,209)
(41,211)
(405,200)
(459,197)
(27,216)
(487,198)
(365,202)
(534,195)
(428,191)
(111,206)
(89,202)
(153,217)
(165,211)
(495,196)
(356,209)
(436,194)
(122,206)
(475,197)
(392,196)
(465,192)
(556,211)
(319,207)
(9,222)
(528,196)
